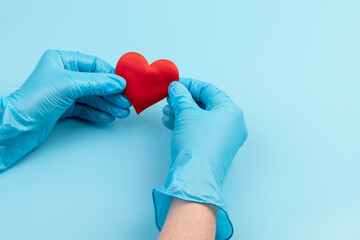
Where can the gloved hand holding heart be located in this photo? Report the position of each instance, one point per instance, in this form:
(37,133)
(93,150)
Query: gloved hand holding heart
(145,84)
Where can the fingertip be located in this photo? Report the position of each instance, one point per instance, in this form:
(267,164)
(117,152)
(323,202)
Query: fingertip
(180,97)
(165,118)
(167,110)
(189,82)
(176,87)
(172,85)
(168,122)
(118,79)
(108,68)
(99,118)
(126,101)
(105,118)
(185,81)
(123,113)
(119,100)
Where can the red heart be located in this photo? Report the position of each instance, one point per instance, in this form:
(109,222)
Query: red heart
(145,85)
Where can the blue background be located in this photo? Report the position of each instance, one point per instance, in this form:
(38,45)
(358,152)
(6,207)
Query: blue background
(293,66)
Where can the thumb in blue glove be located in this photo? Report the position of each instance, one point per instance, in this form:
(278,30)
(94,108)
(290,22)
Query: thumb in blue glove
(209,128)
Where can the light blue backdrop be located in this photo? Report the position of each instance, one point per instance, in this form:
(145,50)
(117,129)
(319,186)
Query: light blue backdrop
(293,66)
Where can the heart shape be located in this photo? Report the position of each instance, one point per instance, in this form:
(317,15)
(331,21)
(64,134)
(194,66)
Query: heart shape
(145,84)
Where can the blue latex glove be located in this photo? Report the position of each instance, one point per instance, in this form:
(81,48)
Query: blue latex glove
(63,84)
(209,128)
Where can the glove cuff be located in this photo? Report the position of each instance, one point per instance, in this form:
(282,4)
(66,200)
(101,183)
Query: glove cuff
(12,127)
(186,182)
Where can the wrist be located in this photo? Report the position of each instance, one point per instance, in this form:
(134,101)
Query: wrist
(195,171)
(17,134)
(192,178)
(30,113)
(14,102)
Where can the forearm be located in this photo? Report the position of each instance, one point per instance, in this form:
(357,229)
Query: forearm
(189,220)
